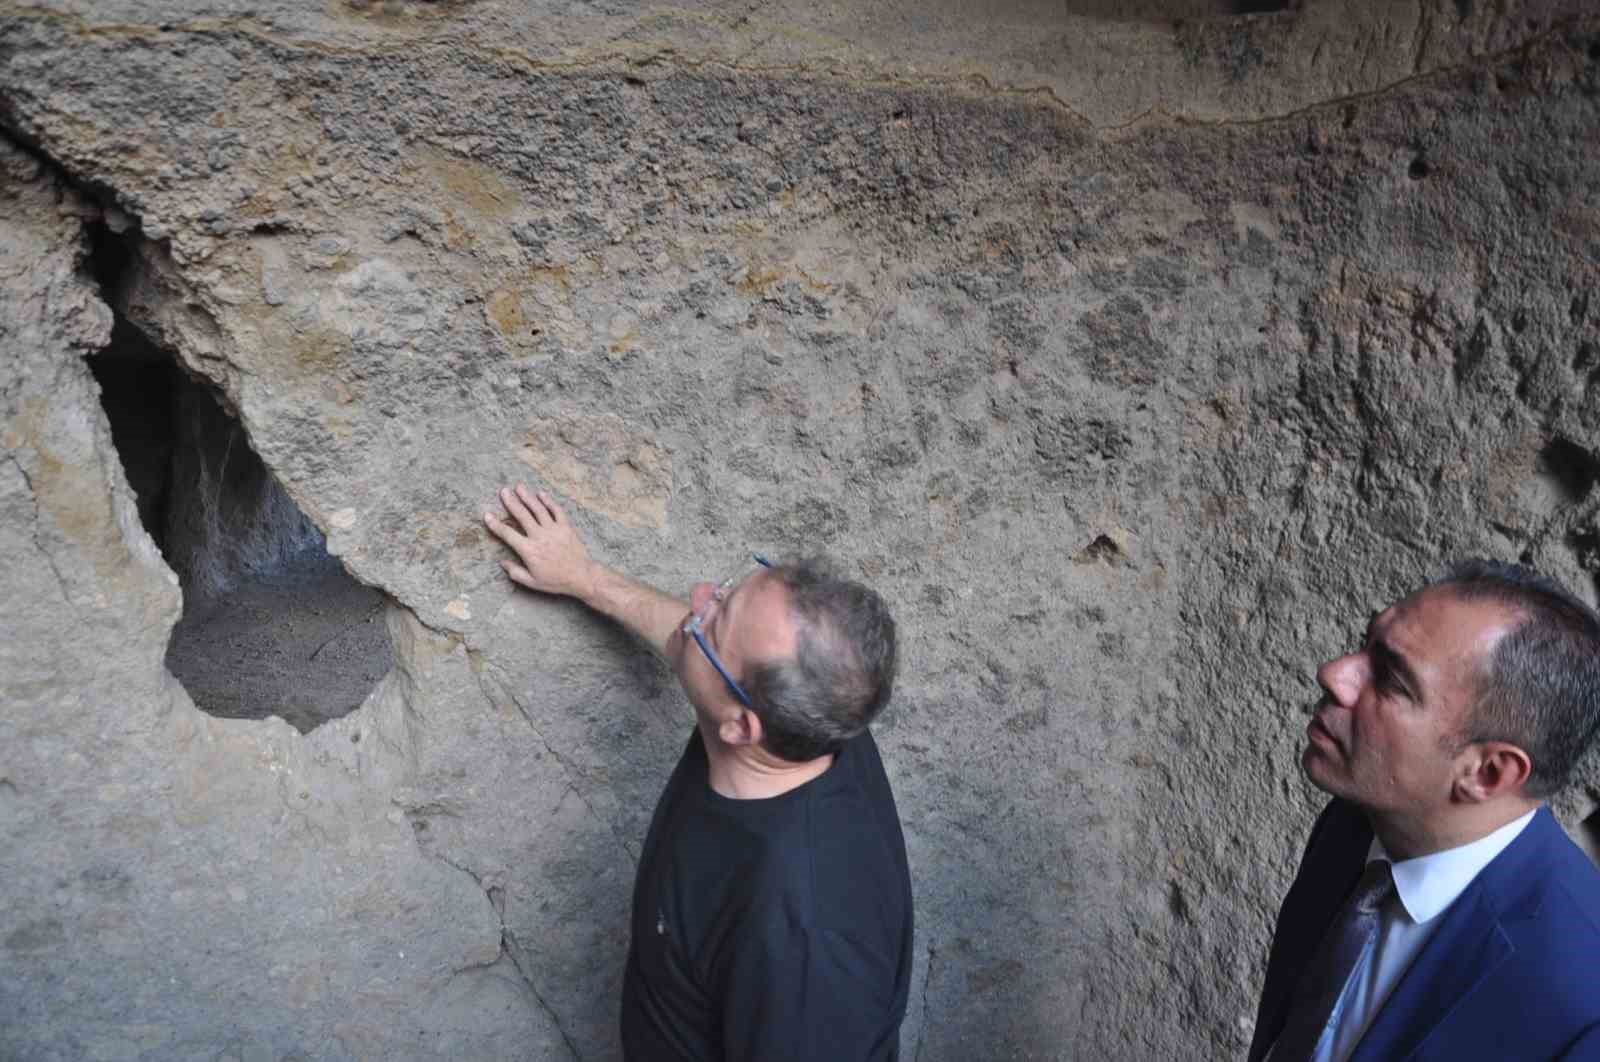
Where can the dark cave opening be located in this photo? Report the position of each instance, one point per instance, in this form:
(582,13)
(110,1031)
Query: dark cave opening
(1573,469)
(272,623)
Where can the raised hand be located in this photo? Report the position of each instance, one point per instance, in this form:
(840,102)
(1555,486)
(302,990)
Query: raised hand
(551,558)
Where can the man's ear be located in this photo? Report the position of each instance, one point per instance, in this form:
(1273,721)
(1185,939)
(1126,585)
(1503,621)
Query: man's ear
(743,729)
(1491,769)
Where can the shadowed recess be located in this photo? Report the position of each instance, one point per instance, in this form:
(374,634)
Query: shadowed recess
(1570,467)
(272,624)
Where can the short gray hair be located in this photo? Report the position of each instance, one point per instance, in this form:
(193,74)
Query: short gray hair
(843,669)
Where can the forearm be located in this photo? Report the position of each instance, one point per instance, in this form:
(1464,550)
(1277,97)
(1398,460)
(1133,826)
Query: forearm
(642,609)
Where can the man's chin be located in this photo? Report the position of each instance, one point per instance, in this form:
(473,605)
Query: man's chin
(1315,762)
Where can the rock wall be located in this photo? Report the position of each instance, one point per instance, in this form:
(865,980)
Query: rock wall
(1136,363)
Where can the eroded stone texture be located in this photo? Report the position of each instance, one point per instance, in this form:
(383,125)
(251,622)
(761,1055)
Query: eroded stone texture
(1135,363)
(179,886)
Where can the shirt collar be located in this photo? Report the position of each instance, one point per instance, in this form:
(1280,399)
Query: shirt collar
(1428,884)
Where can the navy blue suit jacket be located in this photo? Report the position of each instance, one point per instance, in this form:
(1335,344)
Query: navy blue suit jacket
(1512,971)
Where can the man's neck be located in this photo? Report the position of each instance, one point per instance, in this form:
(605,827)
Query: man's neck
(1410,838)
(745,772)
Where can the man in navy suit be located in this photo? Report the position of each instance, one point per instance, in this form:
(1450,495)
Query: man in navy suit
(1439,911)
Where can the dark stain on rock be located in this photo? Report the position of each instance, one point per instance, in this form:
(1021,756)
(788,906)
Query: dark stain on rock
(892,454)
(925,422)
(107,879)
(1587,358)
(995,681)
(1155,278)
(1470,355)
(1258,251)
(1024,722)
(1176,903)
(1122,350)
(37,936)
(996,975)
(1016,324)
(1231,46)
(812,521)
(1088,616)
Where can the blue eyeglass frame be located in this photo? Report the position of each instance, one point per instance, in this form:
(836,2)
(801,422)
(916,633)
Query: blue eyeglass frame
(693,628)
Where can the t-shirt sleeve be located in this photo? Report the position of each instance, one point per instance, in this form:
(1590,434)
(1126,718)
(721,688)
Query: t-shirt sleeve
(798,994)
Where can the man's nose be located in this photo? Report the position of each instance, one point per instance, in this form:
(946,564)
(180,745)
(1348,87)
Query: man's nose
(1344,677)
(700,595)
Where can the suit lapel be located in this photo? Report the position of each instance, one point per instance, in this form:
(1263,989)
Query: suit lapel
(1329,870)
(1470,944)
(1307,921)
(1466,948)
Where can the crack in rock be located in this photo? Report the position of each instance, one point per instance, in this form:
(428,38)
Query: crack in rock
(574,774)
(509,948)
(49,558)
(927,979)
(655,56)
(489,685)
(1516,51)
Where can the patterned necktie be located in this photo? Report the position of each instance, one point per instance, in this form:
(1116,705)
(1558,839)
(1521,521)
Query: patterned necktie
(1322,983)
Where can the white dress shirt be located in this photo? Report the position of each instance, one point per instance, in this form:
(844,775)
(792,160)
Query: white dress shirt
(1425,887)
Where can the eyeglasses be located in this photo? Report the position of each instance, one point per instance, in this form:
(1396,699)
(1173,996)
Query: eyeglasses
(694,626)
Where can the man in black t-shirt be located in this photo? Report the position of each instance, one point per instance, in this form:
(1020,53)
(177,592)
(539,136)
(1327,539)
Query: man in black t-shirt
(772,909)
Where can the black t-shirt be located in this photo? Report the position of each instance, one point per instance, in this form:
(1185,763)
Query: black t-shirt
(771,930)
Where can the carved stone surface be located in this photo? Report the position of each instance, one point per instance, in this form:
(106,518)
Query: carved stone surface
(1136,363)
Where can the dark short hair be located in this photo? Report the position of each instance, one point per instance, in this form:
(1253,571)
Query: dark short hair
(1540,687)
(843,669)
